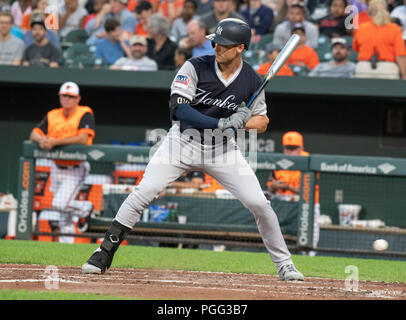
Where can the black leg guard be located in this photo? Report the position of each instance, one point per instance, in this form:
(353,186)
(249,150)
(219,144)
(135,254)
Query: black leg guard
(103,257)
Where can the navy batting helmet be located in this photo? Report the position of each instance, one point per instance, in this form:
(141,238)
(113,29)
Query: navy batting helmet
(231,31)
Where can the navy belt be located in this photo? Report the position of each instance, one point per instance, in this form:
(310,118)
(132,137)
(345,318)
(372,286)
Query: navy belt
(67,167)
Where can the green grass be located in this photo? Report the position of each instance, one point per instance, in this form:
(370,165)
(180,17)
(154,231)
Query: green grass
(45,253)
(54,295)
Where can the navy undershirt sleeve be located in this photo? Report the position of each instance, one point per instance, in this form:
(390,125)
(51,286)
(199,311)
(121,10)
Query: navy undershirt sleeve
(186,113)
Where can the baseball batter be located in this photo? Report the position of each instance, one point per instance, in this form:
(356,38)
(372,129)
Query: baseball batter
(208,97)
(70,124)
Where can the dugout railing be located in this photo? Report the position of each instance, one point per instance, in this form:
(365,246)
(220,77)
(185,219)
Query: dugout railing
(215,217)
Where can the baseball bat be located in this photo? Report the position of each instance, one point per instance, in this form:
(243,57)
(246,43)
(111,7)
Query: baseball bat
(280,60)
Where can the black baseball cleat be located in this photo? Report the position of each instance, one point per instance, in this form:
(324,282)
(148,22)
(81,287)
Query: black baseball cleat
(98,263)
(101,259)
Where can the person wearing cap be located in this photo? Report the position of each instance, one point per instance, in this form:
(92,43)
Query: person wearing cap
(334,24)
(116,9)
(303,56)
(11,48)
(380,46)
(272,51)
(196,40)
(296,14)
(70,124)
(115,45)
(51,35)
(339,66)
(71,17)
(41,52)
(138,60)
(287,182)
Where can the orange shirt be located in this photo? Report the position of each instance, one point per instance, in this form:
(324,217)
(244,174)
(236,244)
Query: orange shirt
(163,6)
(284,71)
(304,54)
(25,22)
(386,41)
(57,125)
(140,30)
(363,17)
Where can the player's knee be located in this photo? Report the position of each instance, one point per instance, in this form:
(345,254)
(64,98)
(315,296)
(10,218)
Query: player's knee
(257,205)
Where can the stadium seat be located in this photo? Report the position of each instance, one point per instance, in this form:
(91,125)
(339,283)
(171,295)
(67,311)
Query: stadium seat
(78,50)
(324,48)
(300,71)
(75,36)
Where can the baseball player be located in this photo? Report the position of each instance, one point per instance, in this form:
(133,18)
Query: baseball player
(208,98)
(70,124)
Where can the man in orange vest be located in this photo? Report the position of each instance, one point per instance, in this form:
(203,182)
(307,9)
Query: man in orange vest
(287,182)
(70,124)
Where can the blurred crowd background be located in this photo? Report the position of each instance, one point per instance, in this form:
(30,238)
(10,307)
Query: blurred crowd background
(339,38)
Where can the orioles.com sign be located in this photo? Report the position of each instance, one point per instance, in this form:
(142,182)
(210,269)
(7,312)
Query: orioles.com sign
(24,202)
(305,208)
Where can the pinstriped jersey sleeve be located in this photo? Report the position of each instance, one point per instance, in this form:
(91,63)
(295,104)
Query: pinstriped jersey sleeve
(185,82)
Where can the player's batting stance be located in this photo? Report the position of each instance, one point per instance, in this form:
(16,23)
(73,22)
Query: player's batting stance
(209,92)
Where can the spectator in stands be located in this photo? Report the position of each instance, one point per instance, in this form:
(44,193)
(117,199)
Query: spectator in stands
(71,17)
(41,52)
(11,48)
(178,30)
(114,9)
(97,5)
(115,45)
(204,6)
(143,11)
(171,9)
(258,16)
(286,183)
(334,24)
(280,9)
(20,8)
(340,66)
(196,40)
(296,14)
(36,4)
(160,47)
(137,61)
(222,9)
(181,56)
(303,56)
(381,49)
(400,13)
(272,51)
(51,35)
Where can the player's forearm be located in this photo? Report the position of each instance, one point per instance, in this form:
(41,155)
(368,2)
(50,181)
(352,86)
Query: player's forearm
(35,137)
(186,113)
(260,123)
(401,61)
(79,139)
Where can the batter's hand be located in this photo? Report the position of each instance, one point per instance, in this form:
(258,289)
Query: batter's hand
(237,120)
